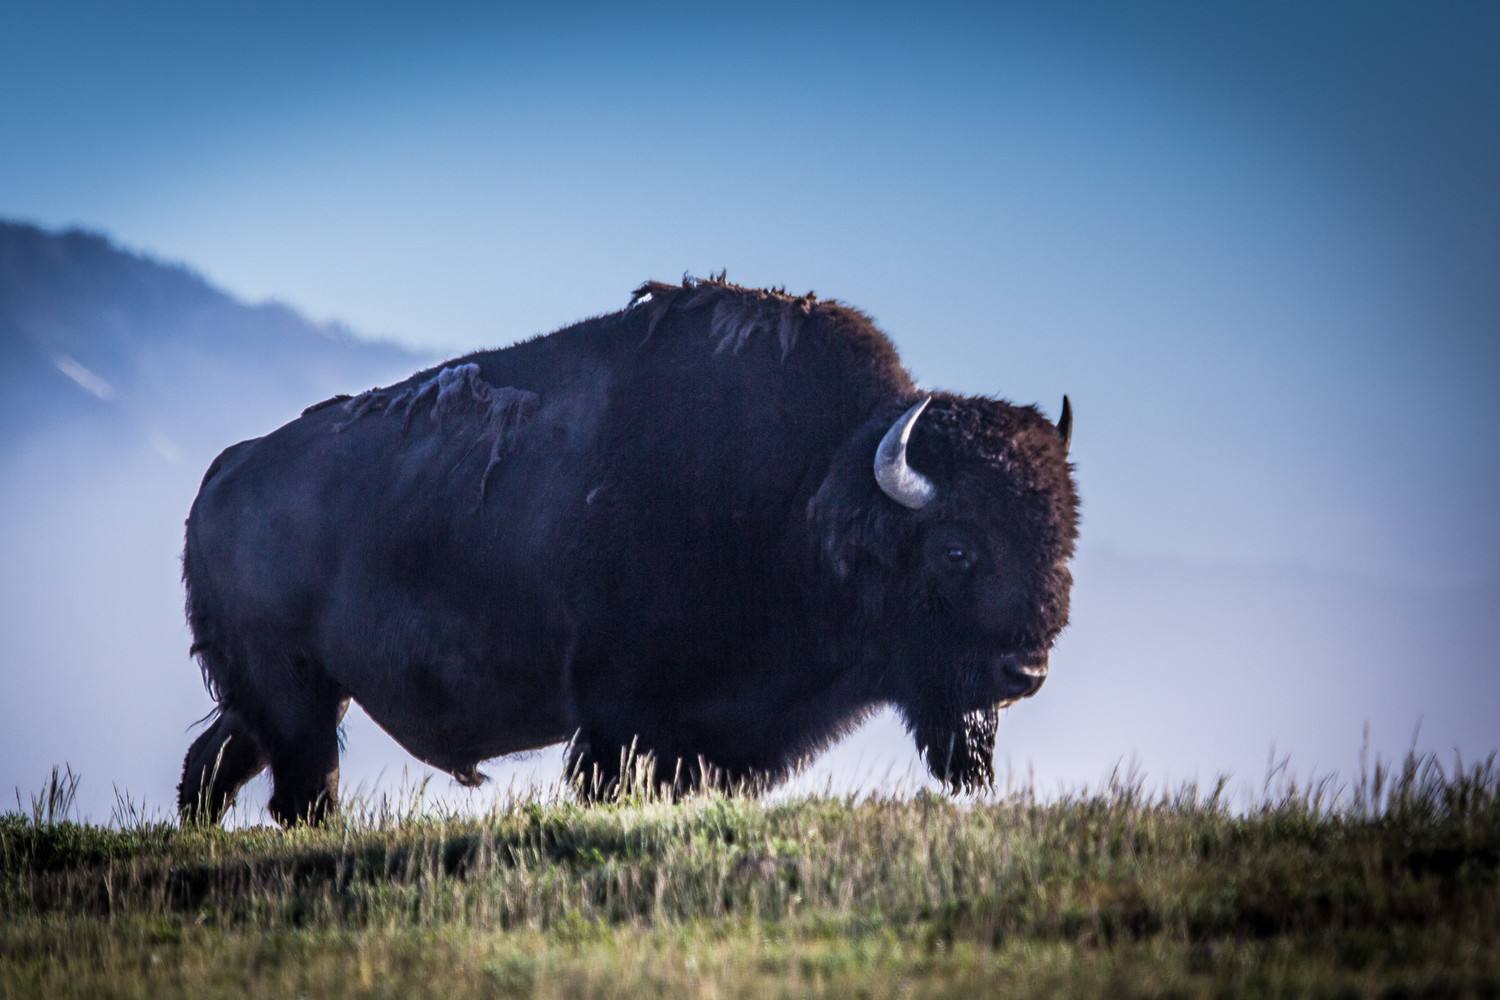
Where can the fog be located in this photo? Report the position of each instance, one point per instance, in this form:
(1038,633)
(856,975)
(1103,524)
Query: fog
(1182,670)
(1255,244)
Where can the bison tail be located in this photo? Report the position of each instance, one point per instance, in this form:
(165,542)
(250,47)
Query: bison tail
(206,647)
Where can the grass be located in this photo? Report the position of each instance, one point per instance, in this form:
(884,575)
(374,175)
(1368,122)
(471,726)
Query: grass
(1391,888)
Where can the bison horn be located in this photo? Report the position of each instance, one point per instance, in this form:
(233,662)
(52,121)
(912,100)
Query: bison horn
(1065,423)
(897,480)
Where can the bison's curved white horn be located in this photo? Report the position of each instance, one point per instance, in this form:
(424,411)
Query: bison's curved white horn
(897,480)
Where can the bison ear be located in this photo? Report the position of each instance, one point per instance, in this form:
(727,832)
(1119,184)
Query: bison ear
(1065,424)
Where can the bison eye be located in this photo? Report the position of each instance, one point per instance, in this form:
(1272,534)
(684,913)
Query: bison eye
(951,551)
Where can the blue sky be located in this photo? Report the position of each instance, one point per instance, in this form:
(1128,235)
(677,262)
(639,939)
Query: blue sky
(1259,244)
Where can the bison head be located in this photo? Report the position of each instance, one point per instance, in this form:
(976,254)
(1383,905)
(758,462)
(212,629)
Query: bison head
(945,528)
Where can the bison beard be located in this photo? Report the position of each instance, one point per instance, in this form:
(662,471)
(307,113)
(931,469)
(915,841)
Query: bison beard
(697,540)
(962,758)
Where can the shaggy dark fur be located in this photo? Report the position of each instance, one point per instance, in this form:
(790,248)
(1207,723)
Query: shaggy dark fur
(654,530)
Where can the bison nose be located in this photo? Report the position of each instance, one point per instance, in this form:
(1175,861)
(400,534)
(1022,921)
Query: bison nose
(1024,674)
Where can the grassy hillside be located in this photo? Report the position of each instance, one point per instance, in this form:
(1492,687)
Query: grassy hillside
(1393,887)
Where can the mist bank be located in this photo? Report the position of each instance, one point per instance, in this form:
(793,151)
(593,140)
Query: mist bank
(123,377)
(1185,671)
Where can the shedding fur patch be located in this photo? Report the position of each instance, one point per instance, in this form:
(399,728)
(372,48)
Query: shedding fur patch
(739,314)
(342,397)
(498,413)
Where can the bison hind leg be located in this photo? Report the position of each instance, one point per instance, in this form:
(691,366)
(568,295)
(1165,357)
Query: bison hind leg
(219,762)
(304,759)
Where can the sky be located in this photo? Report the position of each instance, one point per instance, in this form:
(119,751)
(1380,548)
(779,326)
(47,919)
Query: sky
(1257,244)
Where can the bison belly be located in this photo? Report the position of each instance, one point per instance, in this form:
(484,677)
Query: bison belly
(459,657)
(454,712)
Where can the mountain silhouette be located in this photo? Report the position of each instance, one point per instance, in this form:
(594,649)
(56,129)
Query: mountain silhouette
(121,377)
(138,349)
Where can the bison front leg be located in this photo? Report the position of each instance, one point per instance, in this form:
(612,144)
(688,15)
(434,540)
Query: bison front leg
(960,753)
(591,768)
(604,769)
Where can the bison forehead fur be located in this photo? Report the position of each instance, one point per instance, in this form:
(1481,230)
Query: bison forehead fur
(668,531)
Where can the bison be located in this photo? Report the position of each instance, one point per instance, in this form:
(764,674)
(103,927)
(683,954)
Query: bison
(714,529)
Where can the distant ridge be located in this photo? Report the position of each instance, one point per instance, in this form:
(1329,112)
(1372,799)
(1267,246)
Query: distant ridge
(94,332)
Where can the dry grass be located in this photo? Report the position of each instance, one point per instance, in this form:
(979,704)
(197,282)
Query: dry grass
(1391,886)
